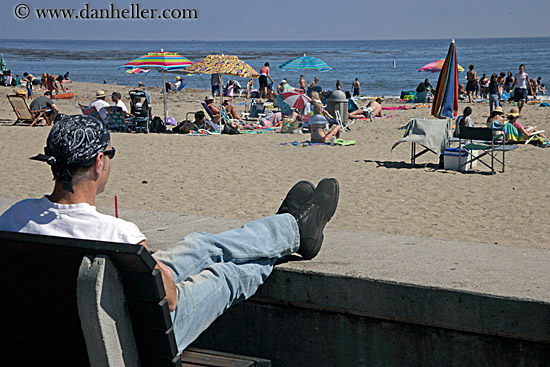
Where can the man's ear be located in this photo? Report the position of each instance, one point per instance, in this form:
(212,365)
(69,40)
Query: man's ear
(99,163)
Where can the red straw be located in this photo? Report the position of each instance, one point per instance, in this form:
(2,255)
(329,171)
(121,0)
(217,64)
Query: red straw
(116,207)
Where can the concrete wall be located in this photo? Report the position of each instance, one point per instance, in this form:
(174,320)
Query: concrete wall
(300,319)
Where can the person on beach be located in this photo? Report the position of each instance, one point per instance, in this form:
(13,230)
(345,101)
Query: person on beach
(317,124)
(356,88)
(339,85)
(471,85)
(497,114)
(513,117)
(264,75)
(302,84)
(508,82)
(484,86)
(116,97)
(174,86)
(463,120)
(372,109)
(215,84)
(100,104)
(428,86)
(314,82)
(45,103)
(462,94)
(284,87)
(521,84)
(231,110)
(214,271)
(494,93)
(30,79)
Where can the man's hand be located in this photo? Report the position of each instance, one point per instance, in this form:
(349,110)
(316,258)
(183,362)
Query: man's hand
(167,280)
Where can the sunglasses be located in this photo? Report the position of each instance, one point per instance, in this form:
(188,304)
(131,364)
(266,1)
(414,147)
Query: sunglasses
(110,153)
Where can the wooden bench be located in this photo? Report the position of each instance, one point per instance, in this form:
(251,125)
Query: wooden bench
(80,303)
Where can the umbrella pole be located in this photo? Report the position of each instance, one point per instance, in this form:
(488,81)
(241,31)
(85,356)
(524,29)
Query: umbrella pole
(164,97)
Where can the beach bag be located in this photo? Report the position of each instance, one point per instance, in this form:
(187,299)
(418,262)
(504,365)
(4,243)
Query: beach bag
(291,126)
(230,130)
(185,127)
(157,125)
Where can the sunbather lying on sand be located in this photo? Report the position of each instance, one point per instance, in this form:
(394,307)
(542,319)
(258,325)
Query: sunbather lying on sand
(372,109)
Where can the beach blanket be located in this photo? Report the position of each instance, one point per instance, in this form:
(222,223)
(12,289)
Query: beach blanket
(544,104)
(274,120)
(307,143)
(64,96)
(395,108)
(433,134)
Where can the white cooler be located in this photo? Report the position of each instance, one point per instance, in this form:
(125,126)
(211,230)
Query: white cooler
(452,161)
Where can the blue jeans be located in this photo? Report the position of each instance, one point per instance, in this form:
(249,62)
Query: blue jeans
(214,271)
(493,101)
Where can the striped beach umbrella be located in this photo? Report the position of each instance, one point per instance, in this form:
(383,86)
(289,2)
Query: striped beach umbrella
(445,103)
(436,66)
(163,62)
(305,63)
(295,99)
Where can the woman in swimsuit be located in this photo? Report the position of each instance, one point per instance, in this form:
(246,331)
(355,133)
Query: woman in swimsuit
(264,75)
(471,86)
(372,109)
(317,124)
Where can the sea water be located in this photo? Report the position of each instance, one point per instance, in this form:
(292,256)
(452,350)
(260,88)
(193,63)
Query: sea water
(384,68)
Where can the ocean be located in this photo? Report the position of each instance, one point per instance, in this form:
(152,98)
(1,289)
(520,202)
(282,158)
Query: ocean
(370,61)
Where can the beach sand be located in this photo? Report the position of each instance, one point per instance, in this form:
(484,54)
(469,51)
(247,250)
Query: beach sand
(246,176)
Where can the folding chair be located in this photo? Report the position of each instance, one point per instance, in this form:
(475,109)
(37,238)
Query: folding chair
(343,127)
(482,139)
(117,119)
(89,111)
(24,113)
(532,135)
(211,115)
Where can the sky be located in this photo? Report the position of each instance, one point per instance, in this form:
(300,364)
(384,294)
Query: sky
(279,19)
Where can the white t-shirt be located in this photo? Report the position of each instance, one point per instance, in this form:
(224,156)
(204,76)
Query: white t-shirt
(100,105)
(121,105)
(41,216)
(521,80)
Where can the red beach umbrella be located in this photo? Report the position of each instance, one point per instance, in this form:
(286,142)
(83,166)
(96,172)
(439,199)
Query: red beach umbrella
(295,99)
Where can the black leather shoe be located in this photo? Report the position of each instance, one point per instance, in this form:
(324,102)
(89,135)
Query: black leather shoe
(298,195)
(314,215)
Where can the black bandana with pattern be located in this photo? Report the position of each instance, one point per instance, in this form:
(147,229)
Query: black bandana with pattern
(73,142)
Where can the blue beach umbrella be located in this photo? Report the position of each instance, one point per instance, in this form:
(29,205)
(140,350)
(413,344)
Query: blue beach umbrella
(445,103)
(304,63)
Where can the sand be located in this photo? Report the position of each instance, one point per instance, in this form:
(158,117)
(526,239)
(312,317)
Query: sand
(246,176)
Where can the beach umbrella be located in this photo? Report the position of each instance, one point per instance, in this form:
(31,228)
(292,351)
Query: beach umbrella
(305,63)
(3,66)
(163,62)
(295,99)
(435,67)
(445,103)
(223,65)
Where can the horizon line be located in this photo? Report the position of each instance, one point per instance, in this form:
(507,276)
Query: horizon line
(280,40)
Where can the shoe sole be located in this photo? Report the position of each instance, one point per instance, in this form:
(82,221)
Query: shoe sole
(321,236)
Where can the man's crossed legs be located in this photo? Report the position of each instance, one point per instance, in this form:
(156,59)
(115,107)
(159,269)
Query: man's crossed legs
(214,271)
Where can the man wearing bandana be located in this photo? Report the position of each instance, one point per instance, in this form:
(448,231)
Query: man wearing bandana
(203,273)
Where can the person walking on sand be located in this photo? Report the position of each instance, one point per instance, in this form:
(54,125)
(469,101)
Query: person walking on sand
(356,88)
(264,75)
(471,85)
(521,84)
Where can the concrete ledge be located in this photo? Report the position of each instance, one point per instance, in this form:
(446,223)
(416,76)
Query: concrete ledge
(379,299)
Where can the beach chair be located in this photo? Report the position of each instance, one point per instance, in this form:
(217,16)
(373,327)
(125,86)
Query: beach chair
(532,135)
(343,127)
(217,127)
(99,304)
(257,111)
(24,113)
(89,111)
(117,119)
(352,105)
(283,106)
(482,140)
(225,116)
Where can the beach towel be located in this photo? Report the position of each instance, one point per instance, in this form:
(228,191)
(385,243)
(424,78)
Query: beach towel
(544,104)
(395,108)
(274,120)
(433,134)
